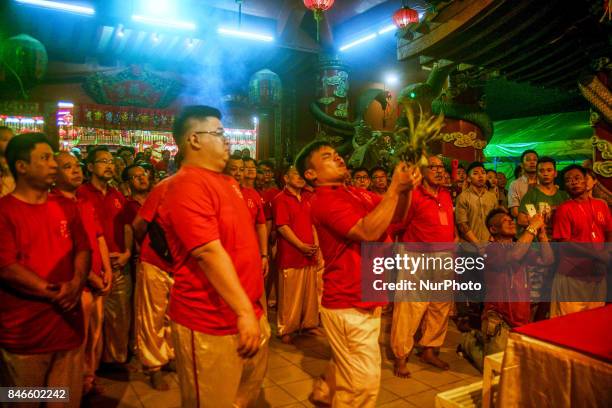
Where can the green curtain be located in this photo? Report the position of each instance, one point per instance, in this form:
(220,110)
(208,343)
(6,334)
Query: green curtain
(564,136)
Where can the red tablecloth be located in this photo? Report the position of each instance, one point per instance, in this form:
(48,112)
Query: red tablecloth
(587,332)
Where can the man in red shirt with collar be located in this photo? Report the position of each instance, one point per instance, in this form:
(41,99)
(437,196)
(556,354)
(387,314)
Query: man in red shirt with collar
(44,263)
(219,329)
(297,259)
(429,219)
(584,224)
(154,281)
(344,217)
(109,204)
(69,179)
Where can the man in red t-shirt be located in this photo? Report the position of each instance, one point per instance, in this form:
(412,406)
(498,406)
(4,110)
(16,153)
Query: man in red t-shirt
(236,168)
(219,329)
(153,283)
(44,263)
(584,225)
(298,307)
(109,204)
(507,285)
(429,219)
(344,217)
(69,179)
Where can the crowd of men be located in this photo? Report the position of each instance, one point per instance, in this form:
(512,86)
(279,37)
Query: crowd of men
(104,258)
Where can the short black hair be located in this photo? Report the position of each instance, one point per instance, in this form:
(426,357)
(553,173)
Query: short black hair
(493,213)
(288,168)
(268,163)
(574,167)
(125,174)
(475,165)
(20,148)
(181,122)
(355,170)
(122,149)
(248,159)
(91,155)
(302,160)
(377,168)
(547,159)
(488,170)
(526,152)
(235,156)
(146,165)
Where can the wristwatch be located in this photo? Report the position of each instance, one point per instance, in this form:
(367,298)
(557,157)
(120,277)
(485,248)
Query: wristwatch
(264,255)
(532,230)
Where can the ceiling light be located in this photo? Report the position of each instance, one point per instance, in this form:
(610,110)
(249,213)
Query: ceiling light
(391,79)
(185,25)
(357,42)
(245,34)
(59,6)
(391,27)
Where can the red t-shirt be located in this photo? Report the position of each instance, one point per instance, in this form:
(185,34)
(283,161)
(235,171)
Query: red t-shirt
(335,210)
(109,208)
(43,238)
(92,228)
(430,219)
(507,284)
(201,206)
(130,210)
(161,166)
(149,213)
(581,221)
(268,195)
(255,204)
(295,214)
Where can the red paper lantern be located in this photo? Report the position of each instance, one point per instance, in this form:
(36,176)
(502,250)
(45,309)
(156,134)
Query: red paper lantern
(318,7)
(405,16)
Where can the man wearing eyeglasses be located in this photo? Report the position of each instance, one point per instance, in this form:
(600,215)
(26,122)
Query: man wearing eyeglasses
(109,204)
(361,178)
(219,329)
(379,181)
(430,220)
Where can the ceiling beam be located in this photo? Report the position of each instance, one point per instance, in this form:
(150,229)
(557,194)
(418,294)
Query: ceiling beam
(455,16)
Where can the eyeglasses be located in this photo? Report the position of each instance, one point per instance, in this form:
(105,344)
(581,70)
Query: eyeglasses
(104,161)
(361,178)
(218,133)
(435,167)
(139,176)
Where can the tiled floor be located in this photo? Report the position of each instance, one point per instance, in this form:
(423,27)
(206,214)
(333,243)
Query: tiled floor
(290,376)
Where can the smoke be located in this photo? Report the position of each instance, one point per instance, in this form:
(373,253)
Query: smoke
(217,71)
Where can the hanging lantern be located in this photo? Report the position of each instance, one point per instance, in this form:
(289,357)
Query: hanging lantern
(318,7)
(265,89)
(405,16)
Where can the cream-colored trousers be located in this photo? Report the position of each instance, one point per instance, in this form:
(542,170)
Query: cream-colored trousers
(152,325)
(57,369)
(93,313)
(298,306)
(353,375)
(212,374)
(117,318)
(566,287)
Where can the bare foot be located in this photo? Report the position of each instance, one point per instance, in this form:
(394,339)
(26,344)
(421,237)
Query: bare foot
(429,356)
(400,368)
(286,339)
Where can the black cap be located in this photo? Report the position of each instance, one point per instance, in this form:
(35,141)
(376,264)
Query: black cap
(474,165)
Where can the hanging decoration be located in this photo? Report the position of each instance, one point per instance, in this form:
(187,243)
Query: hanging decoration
(318,7)
(405,16)
(265,89)
(121,117)
(239,2)
(23,61)
(132,87)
